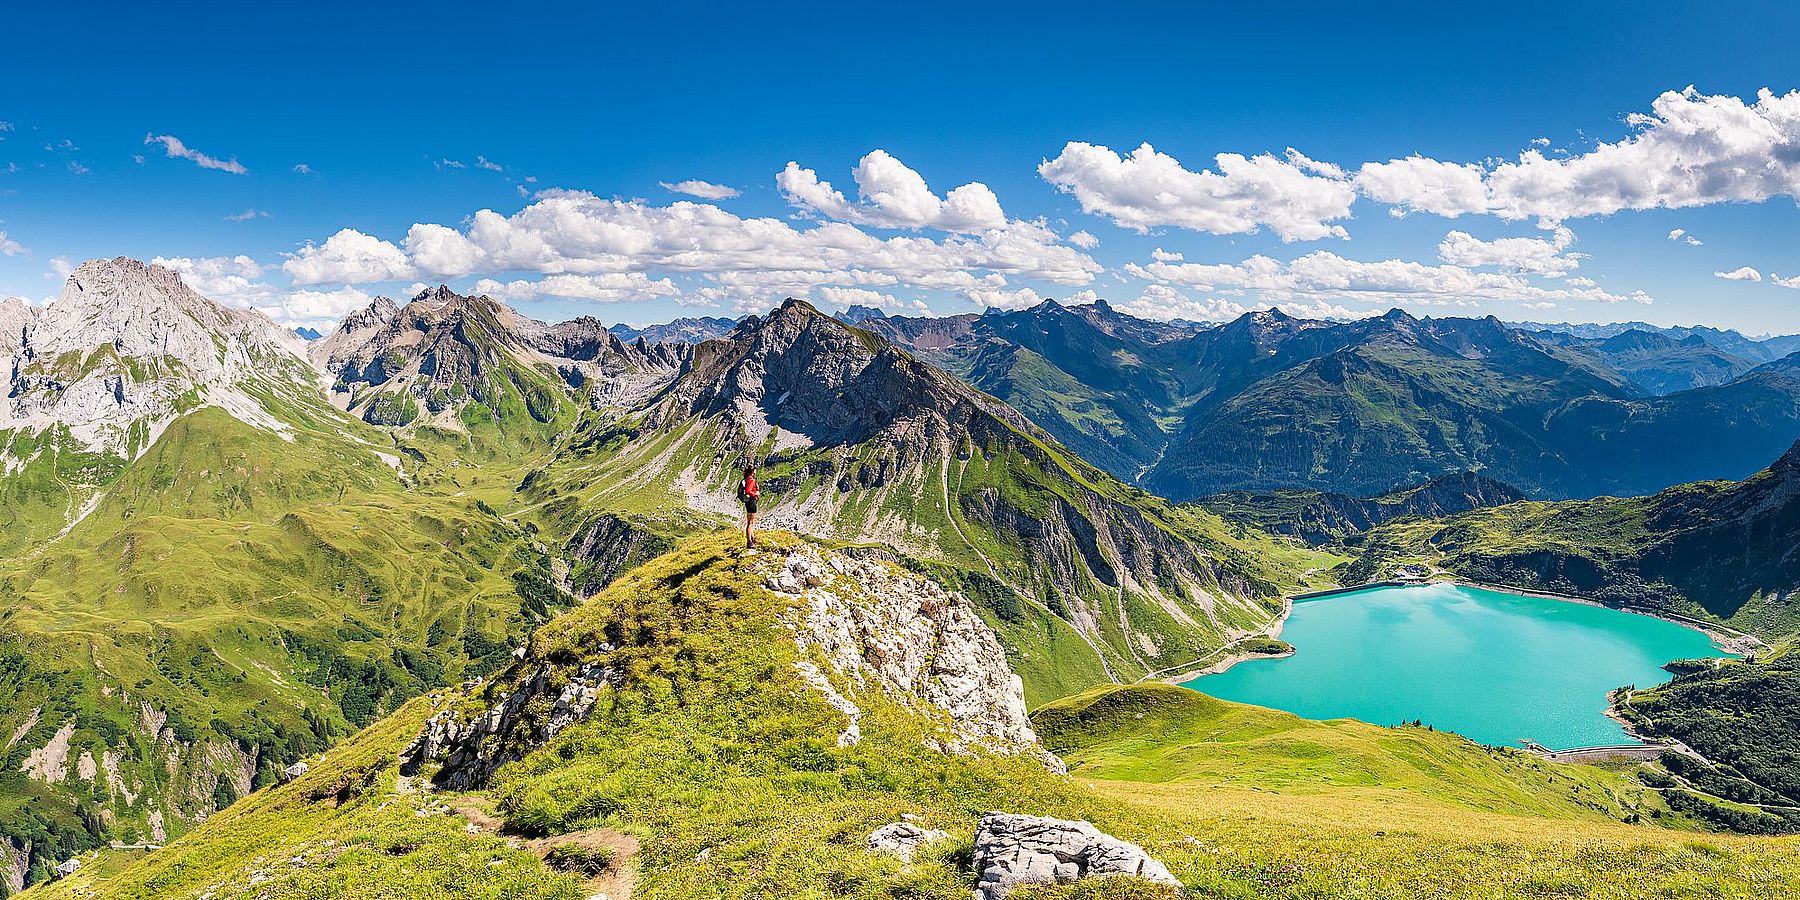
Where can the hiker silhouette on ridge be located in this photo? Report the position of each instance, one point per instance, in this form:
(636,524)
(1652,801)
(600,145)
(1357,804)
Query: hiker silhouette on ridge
(748,493)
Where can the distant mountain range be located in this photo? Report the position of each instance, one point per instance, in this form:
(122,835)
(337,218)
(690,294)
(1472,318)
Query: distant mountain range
(680,331)
(1756,349)
(1270,402)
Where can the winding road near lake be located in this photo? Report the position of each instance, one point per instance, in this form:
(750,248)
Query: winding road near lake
(1496,667)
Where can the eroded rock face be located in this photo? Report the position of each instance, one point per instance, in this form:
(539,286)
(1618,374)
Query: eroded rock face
(1013,850)
(884,628)
(130,346)
(903,839)
(471,749)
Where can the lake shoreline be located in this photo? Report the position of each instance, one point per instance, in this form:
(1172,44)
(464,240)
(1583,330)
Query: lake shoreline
(1723,638)
(1726,638)
(1186,674)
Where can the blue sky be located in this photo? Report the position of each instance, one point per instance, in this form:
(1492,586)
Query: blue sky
(303,159)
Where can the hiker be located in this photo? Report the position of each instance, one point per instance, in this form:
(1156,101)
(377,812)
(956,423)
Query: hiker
(747,494)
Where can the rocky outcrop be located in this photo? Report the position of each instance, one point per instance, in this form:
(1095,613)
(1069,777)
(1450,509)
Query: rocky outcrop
(470,749)
(606,546)
(870,628)
(15,864)
(126,347)
(1013,850)
(903,839)
(883,628)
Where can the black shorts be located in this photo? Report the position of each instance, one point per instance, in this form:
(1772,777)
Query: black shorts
(750,505)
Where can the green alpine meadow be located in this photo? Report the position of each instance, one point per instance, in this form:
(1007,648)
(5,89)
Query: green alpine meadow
(975,451)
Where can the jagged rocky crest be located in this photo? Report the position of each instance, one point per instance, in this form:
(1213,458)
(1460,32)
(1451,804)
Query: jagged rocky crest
(442,351)
(127,347)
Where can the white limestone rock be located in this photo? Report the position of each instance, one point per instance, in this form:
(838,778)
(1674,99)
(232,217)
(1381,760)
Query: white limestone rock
(126,346)
(884,628)
(903,839)
(1013,850)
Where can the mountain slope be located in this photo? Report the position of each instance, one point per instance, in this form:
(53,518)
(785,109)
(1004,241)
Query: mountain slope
(862,441)
(232,575)
(97,375)
(687,719)
(1728,551)
(1403,400)
(1322,517)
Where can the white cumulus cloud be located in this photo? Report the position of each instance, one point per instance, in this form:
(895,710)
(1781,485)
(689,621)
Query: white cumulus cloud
(609,287)
(348,257)
(1691,149)
(1743,273)
(744,262)
(1532,255)
(1293,196)
(694,187)
(891,195)
(1328,276)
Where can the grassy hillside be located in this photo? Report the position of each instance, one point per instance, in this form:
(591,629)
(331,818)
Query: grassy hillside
(1739,715)
(716,767)
(239,599)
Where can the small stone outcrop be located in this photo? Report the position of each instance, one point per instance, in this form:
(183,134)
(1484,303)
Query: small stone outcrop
(883,628)
(472,748)
(1013,850)
(903,839)
(295,771)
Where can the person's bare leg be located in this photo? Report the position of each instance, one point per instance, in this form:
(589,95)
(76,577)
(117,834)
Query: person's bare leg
(749,530)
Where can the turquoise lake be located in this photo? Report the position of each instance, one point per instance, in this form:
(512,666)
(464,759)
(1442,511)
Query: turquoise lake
(1495,667)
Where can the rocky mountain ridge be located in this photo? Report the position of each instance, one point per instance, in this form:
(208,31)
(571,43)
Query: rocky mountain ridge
(1268,401)
(860,440)
(442,353)
(126,347)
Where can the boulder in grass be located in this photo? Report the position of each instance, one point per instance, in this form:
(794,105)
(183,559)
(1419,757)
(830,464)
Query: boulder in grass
(1013,850)
(902,839)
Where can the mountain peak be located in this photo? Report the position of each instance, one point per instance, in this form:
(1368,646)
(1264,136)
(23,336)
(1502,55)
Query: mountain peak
(857,313)
(439,296)
(128,346)
(795,308)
